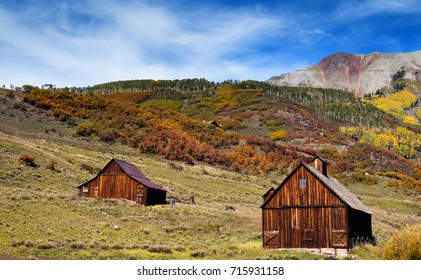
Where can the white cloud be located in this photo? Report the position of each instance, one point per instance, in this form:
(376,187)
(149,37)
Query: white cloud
(87,42)
(131,41)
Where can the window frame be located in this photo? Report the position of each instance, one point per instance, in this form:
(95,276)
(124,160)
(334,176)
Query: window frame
(303,182)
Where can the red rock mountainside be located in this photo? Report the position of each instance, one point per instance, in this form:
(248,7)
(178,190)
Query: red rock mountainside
(357,73)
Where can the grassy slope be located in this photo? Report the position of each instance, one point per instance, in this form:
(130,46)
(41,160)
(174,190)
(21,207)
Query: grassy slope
(42,218)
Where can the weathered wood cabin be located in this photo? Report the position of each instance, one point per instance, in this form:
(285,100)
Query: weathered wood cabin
(310,209)
(120,179)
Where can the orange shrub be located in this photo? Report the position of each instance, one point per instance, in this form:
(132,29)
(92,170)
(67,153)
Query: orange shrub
(27,160)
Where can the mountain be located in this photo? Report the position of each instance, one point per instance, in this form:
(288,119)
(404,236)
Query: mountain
(358,73)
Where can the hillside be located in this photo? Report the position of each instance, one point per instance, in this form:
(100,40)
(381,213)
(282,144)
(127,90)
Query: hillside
(264,136)
(391,82)
(357,73)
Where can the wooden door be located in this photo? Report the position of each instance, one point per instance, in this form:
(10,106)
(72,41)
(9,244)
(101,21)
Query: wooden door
(140,197)
(303,228)
(96,190)
(310,233)
(271,239)
(311,238)
(340,238)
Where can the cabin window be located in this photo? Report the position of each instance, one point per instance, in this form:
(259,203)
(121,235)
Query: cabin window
(85,189)
(303,183)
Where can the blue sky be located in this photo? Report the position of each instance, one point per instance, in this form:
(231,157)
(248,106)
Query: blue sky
(82,43)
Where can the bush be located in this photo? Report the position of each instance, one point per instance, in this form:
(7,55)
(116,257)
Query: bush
(175,166)
(19,106)
(198,253)
(402,180)
(87,167)
(84,129)
(63,117)
(404,244)
(76,246)
(140,122)
(45,246)
(361,176)
(159,249)
(27,160)
(52,165)
(107,135)
(277,135)
(134,141)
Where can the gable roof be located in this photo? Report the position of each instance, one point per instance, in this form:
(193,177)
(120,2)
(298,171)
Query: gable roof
(340,190)
(319,157)
(133,172)
(130,168)
(332,184)
(271,189)
(215,123)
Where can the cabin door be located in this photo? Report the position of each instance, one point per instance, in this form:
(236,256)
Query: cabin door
(140,198)
(96,189)
(340,238)
(271,239)
(304,232)
(310,233)
(339,228)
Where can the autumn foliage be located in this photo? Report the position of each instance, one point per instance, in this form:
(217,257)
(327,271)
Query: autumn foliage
(277,135)
(400,140)
(154,125)
(404,244)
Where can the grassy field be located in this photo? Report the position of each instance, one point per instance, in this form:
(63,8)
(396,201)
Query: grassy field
(42,218)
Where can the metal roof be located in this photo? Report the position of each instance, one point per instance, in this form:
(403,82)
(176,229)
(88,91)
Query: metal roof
(133,172)
(130,168)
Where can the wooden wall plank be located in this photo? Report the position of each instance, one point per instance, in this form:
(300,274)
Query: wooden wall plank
(310,212)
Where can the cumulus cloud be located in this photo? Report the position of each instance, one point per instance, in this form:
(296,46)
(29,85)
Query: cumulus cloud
(83,44)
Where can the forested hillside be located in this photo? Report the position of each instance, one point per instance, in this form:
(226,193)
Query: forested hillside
(265,129)
(225,144)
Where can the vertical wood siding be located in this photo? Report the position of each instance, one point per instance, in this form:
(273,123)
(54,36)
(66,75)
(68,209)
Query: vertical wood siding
(113,182)
(305,217)
(315,193)
(114,186)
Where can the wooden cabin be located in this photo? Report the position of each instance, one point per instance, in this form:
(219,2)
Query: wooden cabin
(123,180)
(215,123)
(311,209)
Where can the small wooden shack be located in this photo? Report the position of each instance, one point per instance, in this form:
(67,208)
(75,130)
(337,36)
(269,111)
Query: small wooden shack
(123,180)
(215,123)
(311,209)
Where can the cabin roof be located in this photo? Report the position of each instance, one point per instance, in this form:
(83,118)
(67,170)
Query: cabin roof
(339,189)
(133,172)
(130,168)
(215,123)
(332,184)
(271,189)
(319,157)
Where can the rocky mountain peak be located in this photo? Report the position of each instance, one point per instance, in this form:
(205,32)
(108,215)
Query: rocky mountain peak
(358,73)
